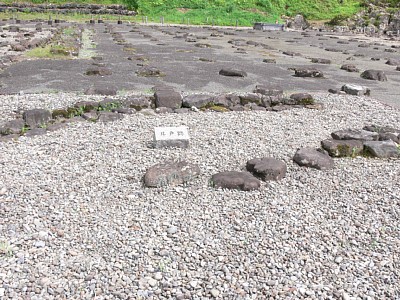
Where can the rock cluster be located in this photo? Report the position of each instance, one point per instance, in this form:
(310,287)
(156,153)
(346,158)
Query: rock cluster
(375,141)
(68,8)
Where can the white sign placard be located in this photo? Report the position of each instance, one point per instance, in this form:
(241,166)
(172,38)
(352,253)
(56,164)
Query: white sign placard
(171,133)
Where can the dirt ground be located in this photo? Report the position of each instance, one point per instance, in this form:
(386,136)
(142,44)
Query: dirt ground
(191,58)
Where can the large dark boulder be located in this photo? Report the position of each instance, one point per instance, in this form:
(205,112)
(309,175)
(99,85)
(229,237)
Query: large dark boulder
(138,102)
(382,149)
(308,72)
(149,72)
(342,148)
(270,95)
(393,62)
(250,98)
(170,173)
(312,158)
(98,71)
(381,129)
(168,98)
(235,180)
(374,75)
(349,68)
(197,100)
(12,127)
(36,117)
(301,99)
(355,134)
(232,72)
(267,168)
(321,61)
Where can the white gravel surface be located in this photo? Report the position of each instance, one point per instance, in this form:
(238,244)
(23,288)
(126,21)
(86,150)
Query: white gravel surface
(77,223)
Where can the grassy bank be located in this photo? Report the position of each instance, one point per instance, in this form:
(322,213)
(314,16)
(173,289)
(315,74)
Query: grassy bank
(230,12)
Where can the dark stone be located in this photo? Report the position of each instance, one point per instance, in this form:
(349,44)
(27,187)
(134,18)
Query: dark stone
(291,53)
(385,136)
(98,71)
(12,127)
(17,48)
(267,168)
(234,180)
(333,50)
(333,91)
(149,72)
(168,98)
(374,75)
(393,62)
(302,99)
(90,116)
(226,100)
(269,60)
(312,158)
(342,148)
(170,173)
(381,129)
(87,105)
(349,68)
(308,72)
(60,113)
(197,100)
(13,28)
(355,134)
(382,149)
(202,45)
(321,61)
(232,72)
(250,98)
(36,117)
(8,138)
(138,102)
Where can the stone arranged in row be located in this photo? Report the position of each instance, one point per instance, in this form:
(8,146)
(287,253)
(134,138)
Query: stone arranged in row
(262,98)
(39,121)
(175,173)
(381,142)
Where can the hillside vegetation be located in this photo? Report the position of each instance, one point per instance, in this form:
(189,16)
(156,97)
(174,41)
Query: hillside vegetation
(228,12)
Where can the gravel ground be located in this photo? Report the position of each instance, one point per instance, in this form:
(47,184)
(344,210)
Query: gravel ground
(76,222)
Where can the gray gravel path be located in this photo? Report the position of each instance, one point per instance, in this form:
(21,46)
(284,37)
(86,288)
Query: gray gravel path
(76,222)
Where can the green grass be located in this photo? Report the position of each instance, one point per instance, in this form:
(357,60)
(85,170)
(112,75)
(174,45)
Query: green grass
(62,47)
(44,52)
(220,12)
